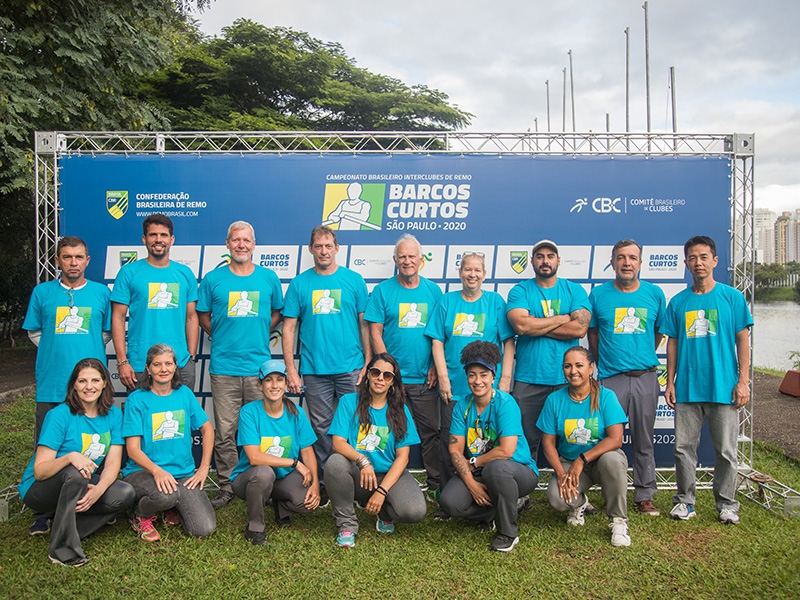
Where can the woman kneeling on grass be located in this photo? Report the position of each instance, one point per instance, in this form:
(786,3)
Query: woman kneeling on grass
(277,460)
(372,430)
(158,424)
(582,434)
(74,472)
(489,451)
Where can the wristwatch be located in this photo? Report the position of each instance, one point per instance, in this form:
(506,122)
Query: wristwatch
(473,462)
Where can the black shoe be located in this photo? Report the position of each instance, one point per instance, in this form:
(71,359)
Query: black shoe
(75,562)
(257,538)
(285,521)
(222,498)
(441,516)
(590,510)
(503,543)
(524,504)
(40,526)
(324,501)
(487,525)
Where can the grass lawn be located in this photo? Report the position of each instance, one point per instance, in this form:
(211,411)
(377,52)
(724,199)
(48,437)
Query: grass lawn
(668,559)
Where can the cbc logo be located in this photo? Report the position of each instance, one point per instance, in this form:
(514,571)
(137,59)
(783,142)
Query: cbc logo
(599,205)
(360,262)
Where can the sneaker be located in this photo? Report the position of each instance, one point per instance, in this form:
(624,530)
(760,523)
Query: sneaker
(440,516)
(171,517)
(143,526)
(728,516)
(40,526)
(503,543)
(257,538)
(646,507)
(575,515)
(384,526)
(285,521)
(223,498)
(324,501)
(523,504)
(619,532)
(682,511)
(487,525)
(424,487)
(75,562)
(590,510)
(346,539)
(432,496)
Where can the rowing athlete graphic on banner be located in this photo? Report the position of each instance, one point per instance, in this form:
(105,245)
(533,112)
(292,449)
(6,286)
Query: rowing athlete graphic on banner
(353,212)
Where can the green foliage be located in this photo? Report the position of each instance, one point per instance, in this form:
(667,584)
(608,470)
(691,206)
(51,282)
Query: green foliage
(794,356)
(260,78)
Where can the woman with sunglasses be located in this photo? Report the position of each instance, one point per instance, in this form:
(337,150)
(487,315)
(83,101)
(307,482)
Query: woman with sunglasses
(489,451)
(74,471)
(159,419)
(460,318)
(582,427)
(371,433)
(277,460)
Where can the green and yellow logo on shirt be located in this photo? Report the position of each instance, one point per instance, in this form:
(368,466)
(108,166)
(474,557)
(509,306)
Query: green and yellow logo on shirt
(276,445)
(412,315)
(469,325)
(581,431)
(95,445)
(326,302)
(169,425)
(73,319)
(372,438)
(630,320)
(551,308)
(701,323)
(162,295)
(243,304)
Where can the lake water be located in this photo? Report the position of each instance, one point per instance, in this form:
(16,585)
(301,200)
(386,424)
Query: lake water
(775,334)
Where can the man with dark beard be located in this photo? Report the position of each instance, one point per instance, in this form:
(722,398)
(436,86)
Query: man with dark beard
(549,315)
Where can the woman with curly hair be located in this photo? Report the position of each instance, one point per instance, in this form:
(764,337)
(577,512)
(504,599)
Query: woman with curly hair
(491,456)
(372,431)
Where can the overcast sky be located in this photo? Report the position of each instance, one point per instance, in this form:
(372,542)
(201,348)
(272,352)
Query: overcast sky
(737,63)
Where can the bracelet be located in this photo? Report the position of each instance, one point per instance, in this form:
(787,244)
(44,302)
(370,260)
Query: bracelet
(362,462)
(294,464)
(583,458)
(123,363)
(382,490)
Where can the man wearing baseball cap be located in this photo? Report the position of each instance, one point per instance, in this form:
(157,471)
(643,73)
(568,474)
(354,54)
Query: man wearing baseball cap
(550,315)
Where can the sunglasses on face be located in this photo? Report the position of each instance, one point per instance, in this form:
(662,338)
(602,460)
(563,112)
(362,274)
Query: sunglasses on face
(387,375)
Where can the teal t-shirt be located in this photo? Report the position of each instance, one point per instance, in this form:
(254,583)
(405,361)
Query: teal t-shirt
(64,432)
(705,326)
(539,358)
(404,314)
(241,314)
(156,299)
(456,323)
(283,437)
(327,309)
(165,424)
(576,428)
(377,442)
(72,322)
(501,418)
(626,326)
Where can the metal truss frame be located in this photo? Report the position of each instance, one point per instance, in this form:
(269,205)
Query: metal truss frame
(52,146)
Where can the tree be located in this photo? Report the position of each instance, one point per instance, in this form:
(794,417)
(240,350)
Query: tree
(260,78)
(67,65)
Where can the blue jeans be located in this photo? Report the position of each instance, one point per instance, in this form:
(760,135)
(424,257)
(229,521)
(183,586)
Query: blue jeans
(723,424)
(322,397)
(193,506)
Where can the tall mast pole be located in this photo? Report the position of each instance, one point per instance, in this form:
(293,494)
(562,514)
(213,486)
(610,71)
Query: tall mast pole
(572,90)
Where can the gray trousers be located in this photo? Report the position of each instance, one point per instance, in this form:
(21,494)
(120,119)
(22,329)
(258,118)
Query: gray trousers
(506,481)
(322,397)
(60,494)
(258,485)
(229,393)
(639,399)
(195,510)
(723,424)
(610,472)
(423,402)
(404,501)
(530,397)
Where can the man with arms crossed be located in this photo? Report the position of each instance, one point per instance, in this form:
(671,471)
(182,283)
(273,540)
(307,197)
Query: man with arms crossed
(334,338)
(238,305)
(623,337)
(161,295)
(550,315)
(708,377)
(397,313)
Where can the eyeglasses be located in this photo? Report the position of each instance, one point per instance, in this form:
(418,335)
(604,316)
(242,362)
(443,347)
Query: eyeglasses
(472,253)
(71,297)
(387,375)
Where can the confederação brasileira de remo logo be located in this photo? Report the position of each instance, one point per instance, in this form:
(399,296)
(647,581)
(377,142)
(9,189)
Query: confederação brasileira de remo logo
(519,261)
(117,203)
